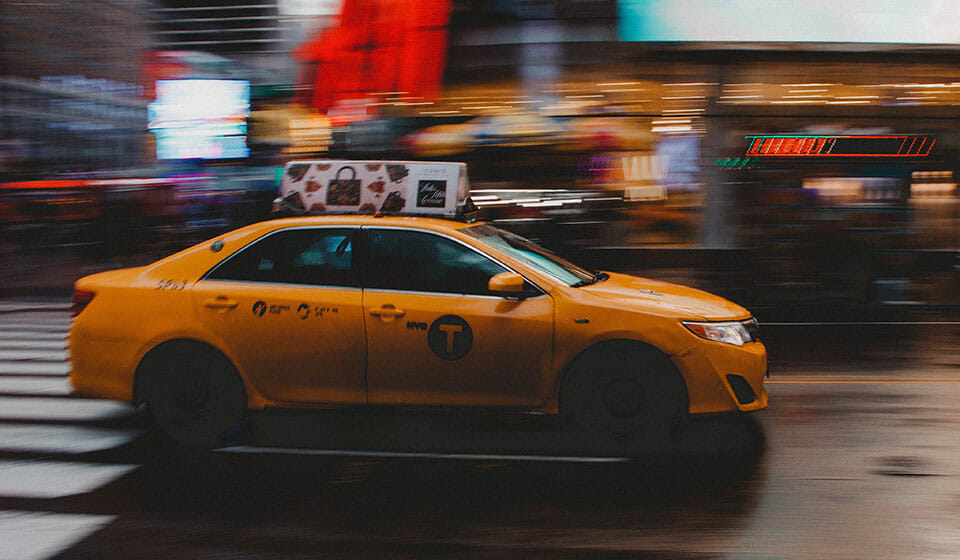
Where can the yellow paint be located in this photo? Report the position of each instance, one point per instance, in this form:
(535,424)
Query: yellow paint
(374,347)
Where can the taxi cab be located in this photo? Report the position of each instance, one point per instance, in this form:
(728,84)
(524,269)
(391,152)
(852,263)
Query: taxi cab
(381,310)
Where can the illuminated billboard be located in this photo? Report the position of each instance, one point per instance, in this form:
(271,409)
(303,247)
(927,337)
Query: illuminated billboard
(931,22)
(201,119)
(839,146)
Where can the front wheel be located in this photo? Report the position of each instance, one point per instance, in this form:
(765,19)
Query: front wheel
(625,390)
(193,393)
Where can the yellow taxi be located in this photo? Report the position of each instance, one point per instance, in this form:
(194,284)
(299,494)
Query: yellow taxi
(405,311)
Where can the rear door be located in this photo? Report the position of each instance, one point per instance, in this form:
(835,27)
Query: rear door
(288,307)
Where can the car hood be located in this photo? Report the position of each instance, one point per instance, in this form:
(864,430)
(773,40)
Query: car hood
(664,297)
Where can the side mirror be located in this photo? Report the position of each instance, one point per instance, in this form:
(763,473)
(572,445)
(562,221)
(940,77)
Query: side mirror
(507,284)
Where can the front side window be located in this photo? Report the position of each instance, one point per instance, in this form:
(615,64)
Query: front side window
(313,256)
(425,262)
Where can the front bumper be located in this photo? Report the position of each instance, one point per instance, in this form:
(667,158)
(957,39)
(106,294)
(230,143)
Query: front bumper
(722,377)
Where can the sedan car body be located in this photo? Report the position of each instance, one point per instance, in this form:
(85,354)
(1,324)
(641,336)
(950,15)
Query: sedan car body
(355,311)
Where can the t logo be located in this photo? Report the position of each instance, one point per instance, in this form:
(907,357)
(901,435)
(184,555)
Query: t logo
(449,331)
(450,337)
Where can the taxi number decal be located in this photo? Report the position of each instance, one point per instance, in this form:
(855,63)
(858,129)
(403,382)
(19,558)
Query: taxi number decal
(171,285)
(305,310)
(450,337)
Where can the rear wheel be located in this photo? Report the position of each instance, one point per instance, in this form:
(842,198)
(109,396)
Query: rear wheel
(626,390)
(193,393)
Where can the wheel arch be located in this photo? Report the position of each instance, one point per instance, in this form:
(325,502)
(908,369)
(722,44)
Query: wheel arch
(180,344)
(610,345)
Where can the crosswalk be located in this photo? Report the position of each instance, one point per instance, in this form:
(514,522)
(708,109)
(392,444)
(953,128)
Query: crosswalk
(50,442)
(73,471)
(63,457)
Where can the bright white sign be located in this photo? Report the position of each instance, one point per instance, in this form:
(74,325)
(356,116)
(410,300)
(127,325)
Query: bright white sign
(201,119)
(309,8)
(791,21)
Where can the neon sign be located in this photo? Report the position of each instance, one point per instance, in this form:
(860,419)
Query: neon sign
(839,146)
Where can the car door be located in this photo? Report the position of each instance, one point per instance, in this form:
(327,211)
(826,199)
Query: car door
(288,308)
(437,336)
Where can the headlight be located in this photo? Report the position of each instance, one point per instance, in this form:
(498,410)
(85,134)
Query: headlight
(731,332)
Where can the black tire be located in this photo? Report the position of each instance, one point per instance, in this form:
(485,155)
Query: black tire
(194,394)
(626,390)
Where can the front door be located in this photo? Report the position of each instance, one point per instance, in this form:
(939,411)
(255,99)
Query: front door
(288,307)
(437,336)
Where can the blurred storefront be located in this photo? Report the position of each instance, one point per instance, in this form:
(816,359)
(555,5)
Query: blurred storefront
(635,153)
(69,85)
(767,161)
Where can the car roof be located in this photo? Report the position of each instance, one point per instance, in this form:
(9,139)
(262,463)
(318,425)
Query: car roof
(420,222)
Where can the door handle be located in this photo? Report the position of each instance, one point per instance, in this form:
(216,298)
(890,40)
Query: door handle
(387,312)
(220,303)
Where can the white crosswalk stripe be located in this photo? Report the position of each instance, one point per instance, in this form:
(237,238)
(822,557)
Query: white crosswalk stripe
(38,535)
(34,344)
(58,369)
(39,355)
(42,327)
(34,385)
(45,435)
(75,410)
(61,439)
(21,334)
(45,479)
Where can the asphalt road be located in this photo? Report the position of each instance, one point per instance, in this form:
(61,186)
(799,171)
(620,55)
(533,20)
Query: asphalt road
(858,456)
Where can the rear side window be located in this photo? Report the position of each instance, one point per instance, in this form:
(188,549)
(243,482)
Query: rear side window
(425,262)
(313,256)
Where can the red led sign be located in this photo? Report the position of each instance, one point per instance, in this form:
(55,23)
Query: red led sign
(839,146)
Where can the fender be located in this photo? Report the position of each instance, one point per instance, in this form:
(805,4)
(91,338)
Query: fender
(552,401)
(255,398)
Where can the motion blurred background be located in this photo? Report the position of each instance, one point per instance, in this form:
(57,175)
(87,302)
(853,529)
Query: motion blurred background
(798,158)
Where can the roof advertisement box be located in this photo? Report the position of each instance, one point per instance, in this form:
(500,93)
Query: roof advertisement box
(395,187)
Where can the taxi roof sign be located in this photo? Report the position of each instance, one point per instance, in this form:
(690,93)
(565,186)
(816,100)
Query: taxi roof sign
(370,186)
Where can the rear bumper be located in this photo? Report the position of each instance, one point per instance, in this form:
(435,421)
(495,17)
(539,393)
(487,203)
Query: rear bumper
(100,368)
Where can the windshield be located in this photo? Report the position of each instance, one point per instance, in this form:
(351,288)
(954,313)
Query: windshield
(532,255)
